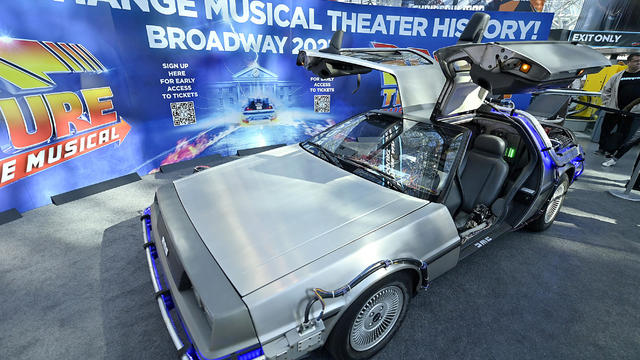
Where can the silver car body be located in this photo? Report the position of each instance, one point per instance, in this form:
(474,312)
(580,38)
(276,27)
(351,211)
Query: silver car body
(328,227)
(281,223)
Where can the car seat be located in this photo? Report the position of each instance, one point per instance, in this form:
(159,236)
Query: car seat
(482,176)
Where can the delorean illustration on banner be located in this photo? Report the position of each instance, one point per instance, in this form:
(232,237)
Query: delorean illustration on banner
(258,109)
(325,242)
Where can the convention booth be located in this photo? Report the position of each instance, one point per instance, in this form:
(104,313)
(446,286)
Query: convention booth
(291,174)
(98,90)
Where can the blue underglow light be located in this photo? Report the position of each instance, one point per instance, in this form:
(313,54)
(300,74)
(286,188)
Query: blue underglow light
(251,354)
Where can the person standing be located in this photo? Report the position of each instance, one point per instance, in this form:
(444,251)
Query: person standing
(619,92)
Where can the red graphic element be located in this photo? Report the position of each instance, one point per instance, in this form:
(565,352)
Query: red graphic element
(383,45)
(315,129)
(59,111)
(186,150)
(28,163)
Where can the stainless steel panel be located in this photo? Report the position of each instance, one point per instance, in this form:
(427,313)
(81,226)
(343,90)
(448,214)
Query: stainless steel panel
(232,329)
(270,214)
(279,306)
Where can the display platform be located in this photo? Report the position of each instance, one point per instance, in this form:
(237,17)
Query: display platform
(567,293)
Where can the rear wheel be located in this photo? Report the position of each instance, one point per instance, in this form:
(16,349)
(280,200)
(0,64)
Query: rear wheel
(553,207)
(372,320)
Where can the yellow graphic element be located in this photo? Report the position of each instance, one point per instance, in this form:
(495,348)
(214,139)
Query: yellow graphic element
(388,79)
(99,101)
(92,57)
(389,93)
(26,63)
(84,57)
(75,55)
(70,61)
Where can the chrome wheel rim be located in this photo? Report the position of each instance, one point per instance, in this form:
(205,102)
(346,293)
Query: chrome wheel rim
(376,318)
(556,203)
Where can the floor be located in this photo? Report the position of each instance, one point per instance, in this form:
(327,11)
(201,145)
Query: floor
(74,284)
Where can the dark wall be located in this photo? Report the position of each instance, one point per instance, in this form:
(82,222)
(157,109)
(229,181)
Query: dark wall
(611,15)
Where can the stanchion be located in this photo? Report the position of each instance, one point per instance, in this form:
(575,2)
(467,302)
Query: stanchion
(626,194)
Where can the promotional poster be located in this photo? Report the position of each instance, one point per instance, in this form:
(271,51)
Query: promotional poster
(94,89)
(476,5)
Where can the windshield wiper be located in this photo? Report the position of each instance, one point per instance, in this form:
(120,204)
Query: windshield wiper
(376,172)
(327,154)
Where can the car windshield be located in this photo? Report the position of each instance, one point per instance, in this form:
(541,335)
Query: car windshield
(409,156)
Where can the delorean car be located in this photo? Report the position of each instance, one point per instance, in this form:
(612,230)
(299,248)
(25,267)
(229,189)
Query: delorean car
(258,109)
(325,242)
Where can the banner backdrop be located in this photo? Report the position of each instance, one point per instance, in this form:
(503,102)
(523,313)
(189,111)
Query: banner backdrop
(95,89)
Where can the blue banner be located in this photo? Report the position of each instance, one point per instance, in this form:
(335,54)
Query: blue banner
(94,89)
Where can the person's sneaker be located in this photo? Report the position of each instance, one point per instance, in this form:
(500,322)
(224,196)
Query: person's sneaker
(609,162)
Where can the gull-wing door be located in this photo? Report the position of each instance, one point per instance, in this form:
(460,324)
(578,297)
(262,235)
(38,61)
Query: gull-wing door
(418,77)
(514,67)
(474,69)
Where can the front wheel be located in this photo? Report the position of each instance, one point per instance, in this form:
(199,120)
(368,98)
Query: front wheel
(371,320)
(553,207)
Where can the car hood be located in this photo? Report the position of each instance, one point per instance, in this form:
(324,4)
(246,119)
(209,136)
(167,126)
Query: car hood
(267,215)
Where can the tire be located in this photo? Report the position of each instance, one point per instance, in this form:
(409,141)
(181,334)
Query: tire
(384,306)
(553,207)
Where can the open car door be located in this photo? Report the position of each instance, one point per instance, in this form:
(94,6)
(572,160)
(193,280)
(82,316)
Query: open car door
(475,69)
(418,77)
(512,68)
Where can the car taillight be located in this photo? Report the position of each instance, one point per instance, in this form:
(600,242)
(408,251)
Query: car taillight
(269,107)
(247,109)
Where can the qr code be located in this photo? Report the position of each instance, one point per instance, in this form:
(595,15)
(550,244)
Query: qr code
(322,103)
(184,113)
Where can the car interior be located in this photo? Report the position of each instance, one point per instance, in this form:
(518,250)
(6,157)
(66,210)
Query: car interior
(496,177)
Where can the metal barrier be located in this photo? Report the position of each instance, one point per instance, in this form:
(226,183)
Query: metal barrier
(626,194)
